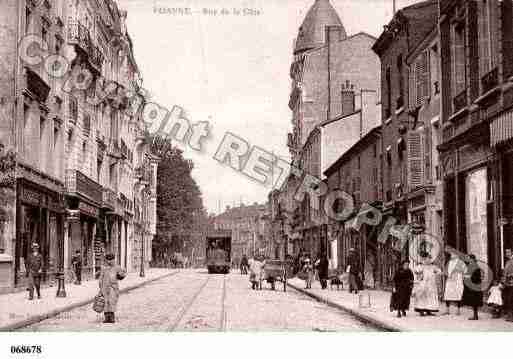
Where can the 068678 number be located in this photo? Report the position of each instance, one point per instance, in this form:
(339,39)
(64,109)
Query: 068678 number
(26,349)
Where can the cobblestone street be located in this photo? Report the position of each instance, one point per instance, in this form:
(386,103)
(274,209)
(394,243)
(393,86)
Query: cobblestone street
(196,301)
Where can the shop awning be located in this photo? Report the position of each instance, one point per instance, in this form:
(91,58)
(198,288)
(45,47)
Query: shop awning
(501,129)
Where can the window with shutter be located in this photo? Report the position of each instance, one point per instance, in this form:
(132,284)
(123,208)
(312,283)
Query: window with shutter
(416,159)
(421,78)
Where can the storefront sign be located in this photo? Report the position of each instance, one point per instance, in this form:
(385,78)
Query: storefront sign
(30,196)
(88,209)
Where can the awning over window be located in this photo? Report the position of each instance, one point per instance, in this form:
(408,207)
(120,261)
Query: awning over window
(501,129)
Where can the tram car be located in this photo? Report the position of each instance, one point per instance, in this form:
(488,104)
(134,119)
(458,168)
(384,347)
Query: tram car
(219,250)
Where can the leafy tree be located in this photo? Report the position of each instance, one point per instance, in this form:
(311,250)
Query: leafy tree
(180,211)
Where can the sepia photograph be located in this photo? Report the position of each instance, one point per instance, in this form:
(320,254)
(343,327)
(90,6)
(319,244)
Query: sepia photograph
(254,166)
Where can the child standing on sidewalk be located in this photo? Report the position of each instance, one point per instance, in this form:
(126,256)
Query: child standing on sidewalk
(495,298)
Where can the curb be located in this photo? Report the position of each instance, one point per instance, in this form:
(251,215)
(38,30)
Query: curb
(53,313)
(360,316)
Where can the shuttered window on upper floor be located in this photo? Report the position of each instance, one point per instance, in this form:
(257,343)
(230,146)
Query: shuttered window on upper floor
(420,80)
(416,158)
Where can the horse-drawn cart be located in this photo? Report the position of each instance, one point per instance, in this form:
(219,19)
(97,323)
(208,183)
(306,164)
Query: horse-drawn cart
(278,270)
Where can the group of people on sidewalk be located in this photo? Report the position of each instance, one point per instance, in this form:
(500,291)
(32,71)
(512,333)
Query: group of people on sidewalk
(110,274)
(463,287)
(308,268)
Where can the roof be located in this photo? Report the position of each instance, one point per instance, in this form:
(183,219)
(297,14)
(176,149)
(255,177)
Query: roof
(340,117)
(376,131)
(312,30)
(243,211)
(401,16)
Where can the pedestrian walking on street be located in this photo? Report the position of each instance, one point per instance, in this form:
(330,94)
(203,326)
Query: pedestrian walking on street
(308,271)
(110,276)
(244,265)
(255,273)
(322,269)
(403,281)
(353,269)
(508,289)
(426,289)
(495,298)
(453,292)
(76,262)
(34,271)
(472,292)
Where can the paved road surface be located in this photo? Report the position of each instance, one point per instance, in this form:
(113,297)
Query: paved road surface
(197,301)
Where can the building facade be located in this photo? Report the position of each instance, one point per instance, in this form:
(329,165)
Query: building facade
(85,180)
(357,172)
(476,58)
(408,27)
(332,75)
(248,224)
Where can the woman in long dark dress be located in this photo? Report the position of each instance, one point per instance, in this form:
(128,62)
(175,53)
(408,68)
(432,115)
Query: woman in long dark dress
(323,268)
(403,280)
(472,293)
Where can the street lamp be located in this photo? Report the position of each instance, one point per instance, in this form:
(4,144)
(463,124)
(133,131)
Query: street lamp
(143,230)
(61,290)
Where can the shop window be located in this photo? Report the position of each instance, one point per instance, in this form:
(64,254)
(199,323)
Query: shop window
(476,214)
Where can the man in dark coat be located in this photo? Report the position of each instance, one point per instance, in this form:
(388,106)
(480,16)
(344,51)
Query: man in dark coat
(322,268)
(244,264)
(403,281)
(508,289)
(353,264)
(472,293)
(76,262)
(34,271)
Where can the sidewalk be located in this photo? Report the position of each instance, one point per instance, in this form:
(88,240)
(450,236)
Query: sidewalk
(17,312)
(379,313)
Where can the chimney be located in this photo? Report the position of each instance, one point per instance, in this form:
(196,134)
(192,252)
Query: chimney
(333,33)
(348,100)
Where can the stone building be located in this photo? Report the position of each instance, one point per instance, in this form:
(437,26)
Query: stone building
(401,35)
(332,75)
(357,172)
(84,178)
(425,188)
(248,225)
(476,119)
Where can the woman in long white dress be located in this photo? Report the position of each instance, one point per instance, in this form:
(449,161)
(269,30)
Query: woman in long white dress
(456,269)
(426,289)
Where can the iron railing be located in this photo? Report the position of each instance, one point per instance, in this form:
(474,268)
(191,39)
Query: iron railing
(460,101)
(490,80)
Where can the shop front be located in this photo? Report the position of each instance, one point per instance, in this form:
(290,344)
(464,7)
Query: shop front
(84,200)
(40,219)
(501,140)
(470,209)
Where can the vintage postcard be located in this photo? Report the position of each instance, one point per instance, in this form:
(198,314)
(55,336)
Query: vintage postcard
(255,166)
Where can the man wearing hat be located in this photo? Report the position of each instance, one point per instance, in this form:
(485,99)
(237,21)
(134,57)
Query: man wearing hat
(353,269)
(109,286)
(34,271)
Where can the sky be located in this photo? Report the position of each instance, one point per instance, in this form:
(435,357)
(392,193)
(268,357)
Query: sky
(232,71)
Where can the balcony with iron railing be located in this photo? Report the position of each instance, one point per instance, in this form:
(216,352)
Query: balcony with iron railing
(490,81)
(79,184)
(460,101)
(109,199)
(79,34)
